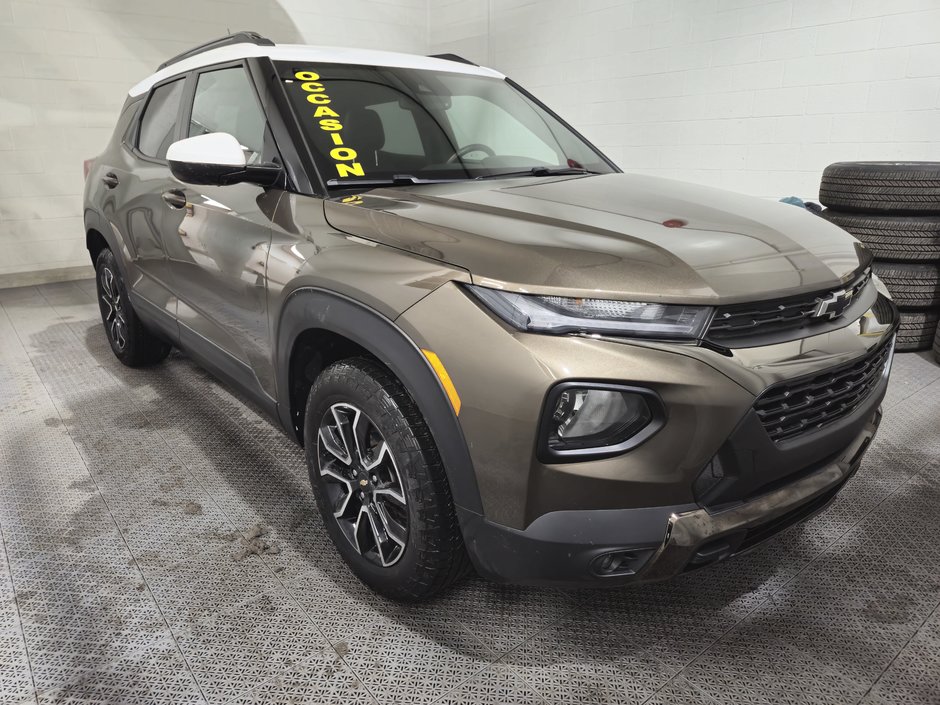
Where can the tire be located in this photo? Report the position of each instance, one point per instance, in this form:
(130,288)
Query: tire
(131,342)
(882,187)
(424,554)
(936,345)
(911,285)
(918,329)
(892,237)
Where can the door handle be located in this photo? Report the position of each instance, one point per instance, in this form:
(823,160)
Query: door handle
(174,198)
(110,180)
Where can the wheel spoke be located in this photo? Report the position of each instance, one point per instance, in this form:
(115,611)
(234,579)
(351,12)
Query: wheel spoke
(379,457)
(117,332)
(107,283)
(368,527)
(393,529)
(110,312)
(390,481)
(329,443)
(344,491)
(360,434)
(393,494)
(342,428)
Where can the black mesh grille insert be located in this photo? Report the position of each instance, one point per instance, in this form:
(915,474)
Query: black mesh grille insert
(792,408)
(761,317)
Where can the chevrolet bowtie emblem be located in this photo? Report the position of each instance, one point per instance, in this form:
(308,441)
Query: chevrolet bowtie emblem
(833,305)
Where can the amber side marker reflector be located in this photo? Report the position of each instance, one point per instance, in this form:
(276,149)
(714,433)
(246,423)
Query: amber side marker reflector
(675,223)
(444,378)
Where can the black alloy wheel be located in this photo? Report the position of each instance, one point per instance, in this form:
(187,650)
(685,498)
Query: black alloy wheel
(363,484)
(131,342)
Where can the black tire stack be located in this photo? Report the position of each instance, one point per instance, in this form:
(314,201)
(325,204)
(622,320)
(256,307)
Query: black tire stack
(894,208)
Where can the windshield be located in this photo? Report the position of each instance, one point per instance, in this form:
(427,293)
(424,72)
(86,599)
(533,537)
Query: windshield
(366,124)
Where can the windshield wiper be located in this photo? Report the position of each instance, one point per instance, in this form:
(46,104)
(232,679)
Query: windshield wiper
(396,180)
(540,171)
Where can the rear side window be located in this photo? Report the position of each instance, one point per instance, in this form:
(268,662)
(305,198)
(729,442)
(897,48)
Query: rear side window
(225,102)
(158,125)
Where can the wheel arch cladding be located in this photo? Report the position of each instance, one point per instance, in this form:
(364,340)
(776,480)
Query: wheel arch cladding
(345,326)
(95,243)
(99,236)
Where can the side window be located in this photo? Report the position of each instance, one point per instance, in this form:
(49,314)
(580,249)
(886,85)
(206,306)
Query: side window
(401,132)
(225,102)
(158,125)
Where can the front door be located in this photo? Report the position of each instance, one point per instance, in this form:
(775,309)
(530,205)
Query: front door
(217,249)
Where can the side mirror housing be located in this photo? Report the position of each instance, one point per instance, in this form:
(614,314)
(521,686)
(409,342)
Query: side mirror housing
(217,159)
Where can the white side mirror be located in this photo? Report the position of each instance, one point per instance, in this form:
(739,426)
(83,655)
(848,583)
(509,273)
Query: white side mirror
(215,159)
(217,148)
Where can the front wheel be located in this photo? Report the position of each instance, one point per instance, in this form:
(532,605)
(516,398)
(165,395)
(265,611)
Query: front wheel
(379,482)
(130,341)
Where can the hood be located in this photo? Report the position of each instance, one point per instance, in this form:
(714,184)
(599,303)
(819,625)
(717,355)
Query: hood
(603,236)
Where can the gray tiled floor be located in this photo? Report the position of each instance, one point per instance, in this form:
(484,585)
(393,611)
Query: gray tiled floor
(128,496)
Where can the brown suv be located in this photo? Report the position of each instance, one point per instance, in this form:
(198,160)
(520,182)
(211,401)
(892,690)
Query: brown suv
(496,348)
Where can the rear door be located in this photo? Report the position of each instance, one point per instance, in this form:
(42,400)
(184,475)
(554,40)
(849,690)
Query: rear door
(135,204)
(217,248)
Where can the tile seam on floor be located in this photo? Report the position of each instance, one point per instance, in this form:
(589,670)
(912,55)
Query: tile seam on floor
(19,615)
(6,553)
(771,595)
(136,404)
(511,667)
(108,508)
(900,651)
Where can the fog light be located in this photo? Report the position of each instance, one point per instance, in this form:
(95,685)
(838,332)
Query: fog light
(585,420)
(592,418)
(627,562)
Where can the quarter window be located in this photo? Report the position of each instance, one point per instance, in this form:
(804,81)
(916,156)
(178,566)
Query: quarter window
(158,124)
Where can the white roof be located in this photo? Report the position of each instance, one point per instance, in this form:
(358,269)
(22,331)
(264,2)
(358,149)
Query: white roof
(312,54)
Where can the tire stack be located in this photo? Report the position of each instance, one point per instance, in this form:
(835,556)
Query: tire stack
(894,208)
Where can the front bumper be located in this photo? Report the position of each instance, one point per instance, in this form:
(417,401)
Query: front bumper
(565,548)
(553,522)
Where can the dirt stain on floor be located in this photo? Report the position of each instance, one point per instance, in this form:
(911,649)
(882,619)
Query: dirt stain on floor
(253,543)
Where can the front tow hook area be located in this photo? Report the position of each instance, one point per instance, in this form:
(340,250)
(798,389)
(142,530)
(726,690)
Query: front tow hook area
(697,538)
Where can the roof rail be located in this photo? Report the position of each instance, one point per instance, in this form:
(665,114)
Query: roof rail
(452,57)
(236,38)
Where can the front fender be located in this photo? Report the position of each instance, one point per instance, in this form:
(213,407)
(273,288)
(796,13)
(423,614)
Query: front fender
(311,308)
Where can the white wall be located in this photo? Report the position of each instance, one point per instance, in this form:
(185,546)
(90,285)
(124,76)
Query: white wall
(752,95)
(66,65)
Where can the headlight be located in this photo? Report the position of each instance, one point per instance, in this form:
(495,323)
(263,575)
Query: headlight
(583,420)
(559,315)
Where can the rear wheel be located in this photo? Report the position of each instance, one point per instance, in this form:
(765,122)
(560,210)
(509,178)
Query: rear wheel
(379,482)
(130,341)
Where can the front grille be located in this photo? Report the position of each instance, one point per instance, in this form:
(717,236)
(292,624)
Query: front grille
(768,317)
(792,408)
